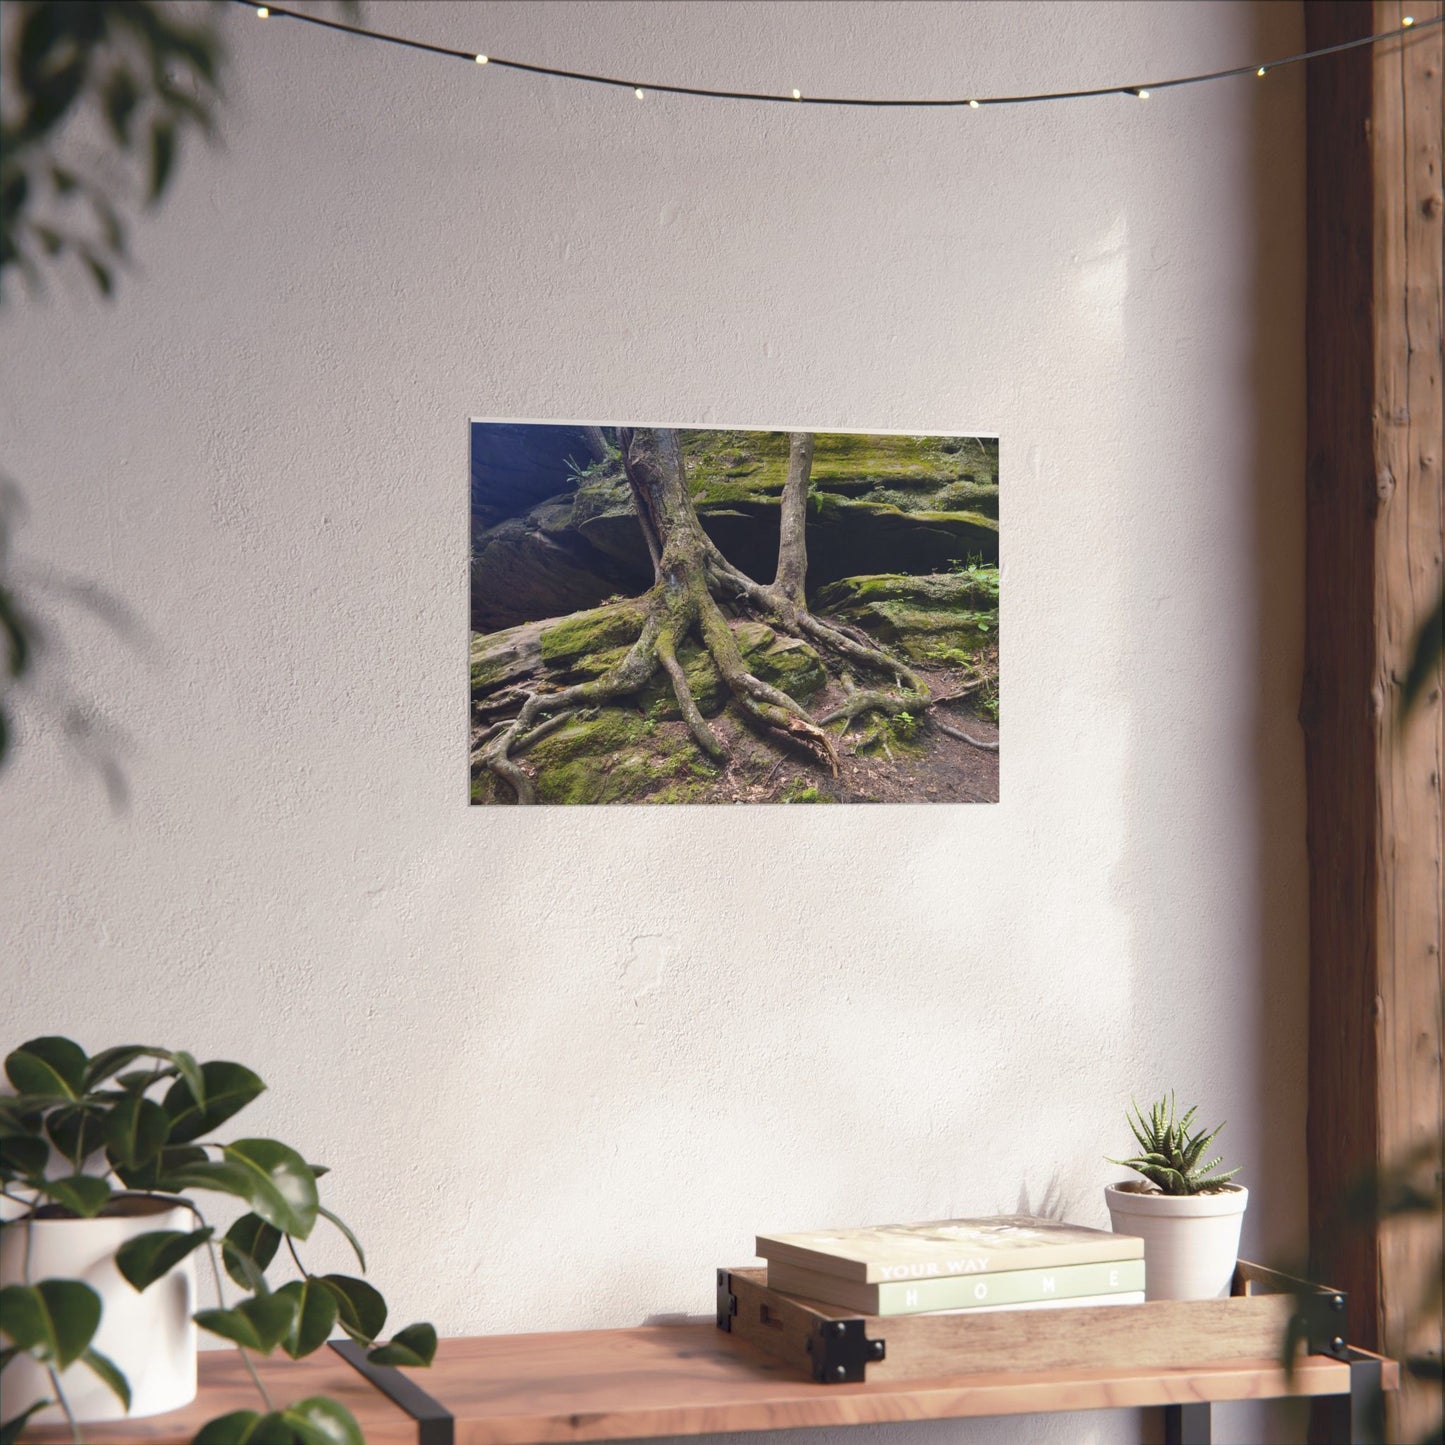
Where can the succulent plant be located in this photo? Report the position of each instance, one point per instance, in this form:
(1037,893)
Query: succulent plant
(1170,1153)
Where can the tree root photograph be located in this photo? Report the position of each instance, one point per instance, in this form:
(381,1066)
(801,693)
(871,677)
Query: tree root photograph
(664,615)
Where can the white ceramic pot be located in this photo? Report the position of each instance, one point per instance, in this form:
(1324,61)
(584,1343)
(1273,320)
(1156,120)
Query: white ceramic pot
(1191,1241)
(149,1335)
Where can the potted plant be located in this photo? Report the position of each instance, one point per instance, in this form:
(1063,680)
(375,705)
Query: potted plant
(1187,1214)
(101,1162)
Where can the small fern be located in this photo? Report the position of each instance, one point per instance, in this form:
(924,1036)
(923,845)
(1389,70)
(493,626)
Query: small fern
(1170,1154)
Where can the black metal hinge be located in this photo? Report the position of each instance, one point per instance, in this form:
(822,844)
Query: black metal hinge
(1324,1317)
(727,1301)
(841,1351)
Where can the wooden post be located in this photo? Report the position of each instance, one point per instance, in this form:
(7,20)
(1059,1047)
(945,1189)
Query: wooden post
(1373,570)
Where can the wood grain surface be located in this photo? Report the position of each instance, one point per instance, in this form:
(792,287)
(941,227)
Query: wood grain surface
(1375,539)
(687,1380)
(225,1386)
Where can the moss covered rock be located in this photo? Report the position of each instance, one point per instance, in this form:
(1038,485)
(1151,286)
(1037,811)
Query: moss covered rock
(905,503)
(570,649)
(619,756)
(945,618)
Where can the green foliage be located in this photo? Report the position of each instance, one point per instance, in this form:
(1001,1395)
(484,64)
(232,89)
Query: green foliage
(979,571)
(95,1117)
(146,75)
(1171,1155)
(415,1345)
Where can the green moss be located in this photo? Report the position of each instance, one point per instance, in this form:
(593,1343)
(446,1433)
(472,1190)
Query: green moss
(586,633)
(619,756)
(787,663)
(944,618)
(736,466)
(800,792)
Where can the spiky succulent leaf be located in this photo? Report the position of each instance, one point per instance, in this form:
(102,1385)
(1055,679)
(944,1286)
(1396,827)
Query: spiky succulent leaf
(1170,1149)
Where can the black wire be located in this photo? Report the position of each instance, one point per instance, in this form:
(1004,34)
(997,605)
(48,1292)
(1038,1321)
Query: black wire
(971,101)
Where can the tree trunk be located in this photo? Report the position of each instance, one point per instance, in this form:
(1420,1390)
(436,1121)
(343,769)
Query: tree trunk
(793,526)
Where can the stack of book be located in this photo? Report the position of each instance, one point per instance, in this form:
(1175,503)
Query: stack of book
(1012,1261)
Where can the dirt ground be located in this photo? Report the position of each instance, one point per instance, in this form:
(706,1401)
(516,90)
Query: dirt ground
(931,768)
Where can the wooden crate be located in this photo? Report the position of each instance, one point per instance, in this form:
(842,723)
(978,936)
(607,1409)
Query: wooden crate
(837,1346)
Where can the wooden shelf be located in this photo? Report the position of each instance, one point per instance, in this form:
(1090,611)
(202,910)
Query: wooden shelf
(688,1379)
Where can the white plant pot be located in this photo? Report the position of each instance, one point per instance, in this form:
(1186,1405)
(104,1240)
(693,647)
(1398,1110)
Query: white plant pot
(1191,1241)
(149,1335)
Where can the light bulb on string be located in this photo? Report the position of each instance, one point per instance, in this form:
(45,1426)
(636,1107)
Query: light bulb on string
(1139,92)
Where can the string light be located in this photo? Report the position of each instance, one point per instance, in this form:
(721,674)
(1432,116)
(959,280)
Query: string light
(876,102)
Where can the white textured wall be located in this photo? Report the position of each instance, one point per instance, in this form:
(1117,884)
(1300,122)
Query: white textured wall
(563,1062)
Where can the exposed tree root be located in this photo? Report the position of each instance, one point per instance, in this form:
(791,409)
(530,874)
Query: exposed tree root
(963,737)
(692,578)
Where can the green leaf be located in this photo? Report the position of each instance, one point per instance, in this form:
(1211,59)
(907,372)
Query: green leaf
(351,1239)
(194,1076)
(415,1345)
(76,1130)
(206,1173)
(22,1155)
(149,1257)
(49,1065)
(156,1173)
(319,1421)
(10,1431)
(135,1131)
(106,1369)
(100,274)
(360,1309)
(83,1194)
(227,1088)
(111,1061)
(121,96)
(316,1311)
(282,1186)
(245,1427)
(259,1323)
(54,1320)
(163,156)
(248,1248)
(137,1081)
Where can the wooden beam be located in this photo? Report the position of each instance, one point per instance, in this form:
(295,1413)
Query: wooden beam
(1373,569)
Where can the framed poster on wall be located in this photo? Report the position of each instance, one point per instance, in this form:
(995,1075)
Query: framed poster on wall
(723,615)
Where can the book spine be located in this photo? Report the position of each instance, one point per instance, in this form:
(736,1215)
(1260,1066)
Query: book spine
(1085,1301)
(1015,1286)
(1108,1249)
